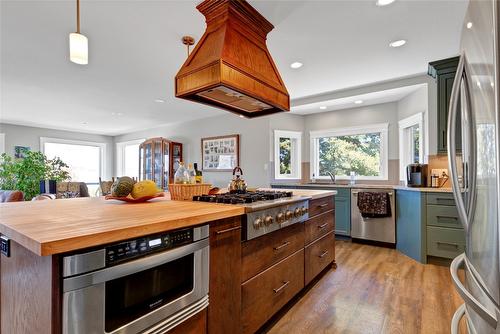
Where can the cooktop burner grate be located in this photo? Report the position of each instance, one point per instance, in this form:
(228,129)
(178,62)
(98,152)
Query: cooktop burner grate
(243,198)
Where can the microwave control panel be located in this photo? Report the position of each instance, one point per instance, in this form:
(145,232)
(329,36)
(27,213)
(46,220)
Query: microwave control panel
(131,249)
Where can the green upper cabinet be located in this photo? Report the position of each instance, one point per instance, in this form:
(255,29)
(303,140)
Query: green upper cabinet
(444,72)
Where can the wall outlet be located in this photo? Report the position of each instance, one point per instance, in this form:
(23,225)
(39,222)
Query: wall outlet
(440,172)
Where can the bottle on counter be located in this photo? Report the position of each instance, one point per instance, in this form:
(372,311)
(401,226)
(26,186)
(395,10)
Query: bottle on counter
(191,175)
(353,178)
(198,174)
(313,180)
(180,174)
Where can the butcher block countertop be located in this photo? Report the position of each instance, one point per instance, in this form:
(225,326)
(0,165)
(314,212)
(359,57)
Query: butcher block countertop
(65,225)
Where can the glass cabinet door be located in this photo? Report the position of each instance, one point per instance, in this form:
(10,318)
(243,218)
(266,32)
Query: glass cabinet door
(158,163)
(166,164)
(148,161)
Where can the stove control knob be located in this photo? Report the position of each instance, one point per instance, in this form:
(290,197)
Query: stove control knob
(297,212)
(304,210)
(257,223)
(280,217)
(268,220)
(288,214)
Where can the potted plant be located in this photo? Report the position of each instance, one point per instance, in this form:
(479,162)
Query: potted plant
(25,174)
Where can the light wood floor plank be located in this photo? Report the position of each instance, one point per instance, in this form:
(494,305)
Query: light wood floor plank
(374,290)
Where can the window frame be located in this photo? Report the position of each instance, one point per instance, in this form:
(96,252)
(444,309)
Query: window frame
(100,145)
(404,138)
(382,128)
(120,155)
(296,155)
(2,143)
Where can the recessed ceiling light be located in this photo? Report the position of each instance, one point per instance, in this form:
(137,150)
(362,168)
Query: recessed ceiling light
(85,123)
(469,25)
(322,107)
(398,43)
(384,2)
(358,101)
(296,65)
(159,101)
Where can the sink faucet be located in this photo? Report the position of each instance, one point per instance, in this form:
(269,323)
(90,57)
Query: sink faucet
(332,177)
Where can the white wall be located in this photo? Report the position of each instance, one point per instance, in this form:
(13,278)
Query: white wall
(378,113)
(16,135)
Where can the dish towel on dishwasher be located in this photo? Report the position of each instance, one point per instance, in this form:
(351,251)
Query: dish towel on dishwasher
(374,204)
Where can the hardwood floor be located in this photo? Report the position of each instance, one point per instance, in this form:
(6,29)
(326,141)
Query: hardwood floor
(374,290)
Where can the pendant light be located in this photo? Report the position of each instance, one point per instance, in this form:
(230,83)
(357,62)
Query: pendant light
(78,43)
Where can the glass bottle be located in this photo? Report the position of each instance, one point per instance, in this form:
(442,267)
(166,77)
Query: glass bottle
(198,174)
(180,174)
(191,176)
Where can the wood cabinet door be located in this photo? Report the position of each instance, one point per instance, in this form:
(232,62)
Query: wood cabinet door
(224,310)
(318,256)
(318,226)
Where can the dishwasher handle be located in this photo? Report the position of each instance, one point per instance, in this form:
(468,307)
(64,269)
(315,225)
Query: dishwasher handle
(357,192)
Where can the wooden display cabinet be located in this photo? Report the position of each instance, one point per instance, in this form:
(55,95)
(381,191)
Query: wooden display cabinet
(159,159)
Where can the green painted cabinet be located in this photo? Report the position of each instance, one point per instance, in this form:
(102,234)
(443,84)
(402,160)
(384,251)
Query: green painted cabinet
(343,212)
(410,229)
(427,224)
(444,72)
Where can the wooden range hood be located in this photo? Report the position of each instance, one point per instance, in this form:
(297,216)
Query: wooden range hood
(230,67)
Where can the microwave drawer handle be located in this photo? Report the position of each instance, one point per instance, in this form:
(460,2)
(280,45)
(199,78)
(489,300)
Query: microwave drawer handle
(467,296)
(134,266)
(227,230)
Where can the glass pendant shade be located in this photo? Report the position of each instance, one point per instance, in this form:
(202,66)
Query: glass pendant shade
(78,49)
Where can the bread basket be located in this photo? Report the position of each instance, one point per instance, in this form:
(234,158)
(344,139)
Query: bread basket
(185,192)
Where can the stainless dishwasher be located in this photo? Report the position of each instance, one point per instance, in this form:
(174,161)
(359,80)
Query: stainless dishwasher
(373,229)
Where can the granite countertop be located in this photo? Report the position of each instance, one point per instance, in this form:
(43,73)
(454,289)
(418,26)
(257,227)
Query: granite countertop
(360,185)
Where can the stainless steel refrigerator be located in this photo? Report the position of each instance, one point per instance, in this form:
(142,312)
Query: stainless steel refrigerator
(475,172)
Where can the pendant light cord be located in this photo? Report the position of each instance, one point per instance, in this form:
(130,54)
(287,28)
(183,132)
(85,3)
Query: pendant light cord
(78,16)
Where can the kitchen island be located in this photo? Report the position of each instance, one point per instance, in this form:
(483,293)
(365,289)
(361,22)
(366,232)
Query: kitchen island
(41,234)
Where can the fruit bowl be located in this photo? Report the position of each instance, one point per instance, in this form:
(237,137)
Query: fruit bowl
(130,199)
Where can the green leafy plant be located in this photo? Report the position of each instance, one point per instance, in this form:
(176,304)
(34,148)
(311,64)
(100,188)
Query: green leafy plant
(25,174)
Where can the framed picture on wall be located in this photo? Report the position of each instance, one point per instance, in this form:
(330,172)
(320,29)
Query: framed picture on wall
(220,154)
(20,151)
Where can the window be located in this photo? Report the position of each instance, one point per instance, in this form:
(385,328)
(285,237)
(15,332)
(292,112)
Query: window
(85,159)
(362,150)
(2,143)
(127,158)
(287,154)
(411,142)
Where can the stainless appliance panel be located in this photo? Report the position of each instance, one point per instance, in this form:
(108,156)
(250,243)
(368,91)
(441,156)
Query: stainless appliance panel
(376,229)
(479,46)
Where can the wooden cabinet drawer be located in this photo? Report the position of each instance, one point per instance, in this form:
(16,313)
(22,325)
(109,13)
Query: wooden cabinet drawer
(440,198)
(318,226)
(261,253)
(266,293)
(445,242)
(318,256)
(443,215)
(320,205)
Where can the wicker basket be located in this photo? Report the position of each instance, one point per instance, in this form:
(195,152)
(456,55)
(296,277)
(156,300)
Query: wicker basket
(185,192)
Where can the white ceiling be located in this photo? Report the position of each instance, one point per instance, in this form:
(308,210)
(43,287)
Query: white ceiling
(135,52)
(378,97)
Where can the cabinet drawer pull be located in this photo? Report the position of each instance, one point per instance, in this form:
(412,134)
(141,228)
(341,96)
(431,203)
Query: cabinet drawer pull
(322,226)
(323,254)
(285,283)
(228,230)
(448,243)
(447,217)
(324,205)
(286,243)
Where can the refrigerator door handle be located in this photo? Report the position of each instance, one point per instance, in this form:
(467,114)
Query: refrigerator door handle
(455,321)
(467,296)
(462,208)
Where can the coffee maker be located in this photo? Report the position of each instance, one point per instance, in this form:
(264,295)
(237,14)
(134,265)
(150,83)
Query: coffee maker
(416,175)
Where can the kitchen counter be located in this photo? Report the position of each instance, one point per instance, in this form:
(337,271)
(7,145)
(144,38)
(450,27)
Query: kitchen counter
(312,194)
(357,186)
(65,225)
